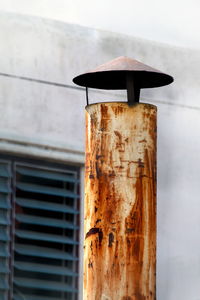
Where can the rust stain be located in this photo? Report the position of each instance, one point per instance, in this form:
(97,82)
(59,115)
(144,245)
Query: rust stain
(99,156)
(112,173)
(118,134)
(129,230)
(140,163)
(98,170)
(143,141)
(98,220)
(93,231)
(90,265)
(100,237)
(119,145)
(118,110)
(110,239)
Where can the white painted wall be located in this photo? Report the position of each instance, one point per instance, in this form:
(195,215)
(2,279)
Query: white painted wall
(48,121)
(174,21)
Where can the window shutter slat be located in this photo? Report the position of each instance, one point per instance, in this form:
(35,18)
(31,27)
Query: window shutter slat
(44,252)
(5,185)
(36,188)
(4,266)
(4,234)
(4,201)
(5,170)
(44,237)
(45,221)
(2,295)
(47,175)
(4,250)
(29,297)
(4,218)
(44,285)
(46,206)
(4,283)
(42,268)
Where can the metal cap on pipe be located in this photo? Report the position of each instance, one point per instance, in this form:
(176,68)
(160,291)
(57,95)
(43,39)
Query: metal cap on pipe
(112,75)
(124,73)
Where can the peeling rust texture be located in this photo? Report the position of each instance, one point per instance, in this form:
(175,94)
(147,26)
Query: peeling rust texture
(110,239)
(120,202)
(92,231)
(95,230)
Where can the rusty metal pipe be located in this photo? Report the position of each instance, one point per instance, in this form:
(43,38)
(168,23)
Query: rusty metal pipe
(120,202)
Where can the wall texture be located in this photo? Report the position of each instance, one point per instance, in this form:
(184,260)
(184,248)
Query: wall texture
(47,120)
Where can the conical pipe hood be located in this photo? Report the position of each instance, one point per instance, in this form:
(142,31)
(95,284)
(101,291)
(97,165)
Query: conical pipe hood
(113,75)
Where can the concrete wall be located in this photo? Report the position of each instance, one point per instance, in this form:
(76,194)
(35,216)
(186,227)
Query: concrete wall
(173,21)
(47,120)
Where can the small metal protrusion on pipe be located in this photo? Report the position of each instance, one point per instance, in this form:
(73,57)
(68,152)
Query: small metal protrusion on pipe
(87,100)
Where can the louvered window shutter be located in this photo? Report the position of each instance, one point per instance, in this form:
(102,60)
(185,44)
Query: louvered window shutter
(45,221)
(5,211)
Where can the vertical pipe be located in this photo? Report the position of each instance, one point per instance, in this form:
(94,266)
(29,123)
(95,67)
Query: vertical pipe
(120,202)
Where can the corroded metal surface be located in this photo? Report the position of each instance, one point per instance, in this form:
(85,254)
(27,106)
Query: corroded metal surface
(120,202)
(112,75)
